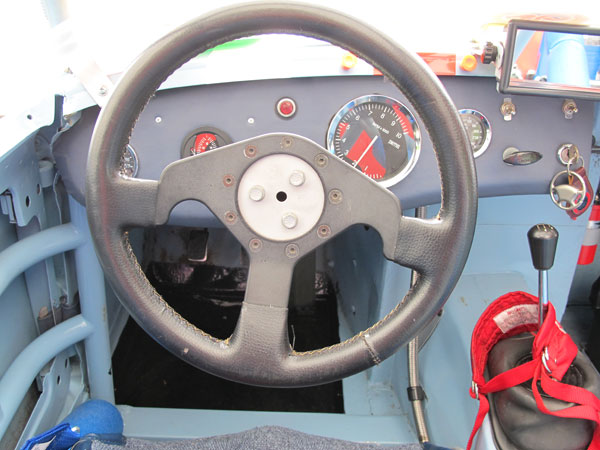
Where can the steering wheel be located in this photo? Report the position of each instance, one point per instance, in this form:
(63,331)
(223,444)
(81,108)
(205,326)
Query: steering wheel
(331,197)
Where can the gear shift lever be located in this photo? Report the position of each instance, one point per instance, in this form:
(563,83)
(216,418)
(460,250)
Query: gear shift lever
(542,243)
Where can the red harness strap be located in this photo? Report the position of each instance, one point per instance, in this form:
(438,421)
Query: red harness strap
(553,352)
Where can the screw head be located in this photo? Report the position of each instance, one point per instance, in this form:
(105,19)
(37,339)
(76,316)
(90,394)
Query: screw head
(292,251)
(102,91)
(335,196)
(255,245)
(228,180)
(323,231)
(321,160)
(289,220)
(250,151)
(287,142)
(230,217)
(257,193)
(297,178)
(158,119)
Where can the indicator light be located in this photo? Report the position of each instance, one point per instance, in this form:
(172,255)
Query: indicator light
(286,107)
(468,63)
(349,61)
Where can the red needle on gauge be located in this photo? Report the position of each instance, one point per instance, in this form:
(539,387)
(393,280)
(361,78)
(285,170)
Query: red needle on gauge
(365,152)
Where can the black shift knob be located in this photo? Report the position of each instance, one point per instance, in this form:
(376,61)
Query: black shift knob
(542,243)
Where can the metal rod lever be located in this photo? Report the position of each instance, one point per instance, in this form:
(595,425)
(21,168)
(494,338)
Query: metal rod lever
(542,294)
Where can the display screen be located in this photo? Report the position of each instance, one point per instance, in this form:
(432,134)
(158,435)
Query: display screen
(551,59)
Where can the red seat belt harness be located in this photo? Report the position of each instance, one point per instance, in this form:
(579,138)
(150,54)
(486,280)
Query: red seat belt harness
(552,354)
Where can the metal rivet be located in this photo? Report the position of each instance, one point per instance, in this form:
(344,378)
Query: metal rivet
(158,119)
(230,217)
(323,231)
(335,196)
(297,178)
(250,151)
(321,160)
(292,250)
(289,220)
(255,245)
(251,120)
(257,193)
(102,91)
(287,142)
(228,180)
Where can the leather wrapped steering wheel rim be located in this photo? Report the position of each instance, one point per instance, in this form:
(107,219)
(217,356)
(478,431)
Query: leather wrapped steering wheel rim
(258,353)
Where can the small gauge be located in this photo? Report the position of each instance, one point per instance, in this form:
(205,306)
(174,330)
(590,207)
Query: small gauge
(377,135)
(478,130)
(203,140)
(129,163)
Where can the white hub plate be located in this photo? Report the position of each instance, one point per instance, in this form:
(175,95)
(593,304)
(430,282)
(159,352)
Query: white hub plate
(287,210)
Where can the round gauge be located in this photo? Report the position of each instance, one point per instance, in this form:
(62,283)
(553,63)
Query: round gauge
(478,130)
(378,135)
(129,165)
(203,140)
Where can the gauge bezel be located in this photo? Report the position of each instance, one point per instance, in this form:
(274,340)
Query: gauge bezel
(136,164)
(377,98)
(219,134)
(486,126)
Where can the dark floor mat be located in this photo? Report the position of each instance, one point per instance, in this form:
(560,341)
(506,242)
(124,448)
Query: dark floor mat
(145,374)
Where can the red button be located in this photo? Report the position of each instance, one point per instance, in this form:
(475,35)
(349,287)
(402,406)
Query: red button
(286,107)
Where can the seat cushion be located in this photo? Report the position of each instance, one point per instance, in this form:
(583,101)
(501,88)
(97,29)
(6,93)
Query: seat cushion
(262,438)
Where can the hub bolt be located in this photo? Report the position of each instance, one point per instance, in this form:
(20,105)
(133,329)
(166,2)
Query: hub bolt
(297,178)
(257,193)
(289,220)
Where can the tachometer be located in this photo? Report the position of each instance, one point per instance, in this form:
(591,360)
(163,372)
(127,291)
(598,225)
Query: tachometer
(377,135)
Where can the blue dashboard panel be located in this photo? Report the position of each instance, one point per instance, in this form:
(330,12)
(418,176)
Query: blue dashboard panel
(247,109)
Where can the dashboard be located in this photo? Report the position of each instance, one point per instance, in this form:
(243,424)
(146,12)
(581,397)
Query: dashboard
(188,120)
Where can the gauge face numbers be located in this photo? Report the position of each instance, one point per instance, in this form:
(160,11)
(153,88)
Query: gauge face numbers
(478,130)
(128,165)
(377,135)
(203,140)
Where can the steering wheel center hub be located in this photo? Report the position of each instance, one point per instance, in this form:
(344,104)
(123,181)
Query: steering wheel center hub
(281,197)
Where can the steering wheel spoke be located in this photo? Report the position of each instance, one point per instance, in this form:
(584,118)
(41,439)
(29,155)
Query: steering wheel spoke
(260,339)
(269,280)
(421,244)
(204,178)
(133,202)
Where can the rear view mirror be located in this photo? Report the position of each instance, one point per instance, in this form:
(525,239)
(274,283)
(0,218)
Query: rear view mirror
(550,59)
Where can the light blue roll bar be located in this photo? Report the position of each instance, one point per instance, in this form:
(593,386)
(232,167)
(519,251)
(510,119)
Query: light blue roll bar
(90,326)
(23,254)
(23,370)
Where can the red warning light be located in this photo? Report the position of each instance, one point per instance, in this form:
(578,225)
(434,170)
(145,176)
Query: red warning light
(286,107)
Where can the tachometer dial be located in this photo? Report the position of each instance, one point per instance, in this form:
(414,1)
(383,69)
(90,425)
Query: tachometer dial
(377,135)
(203,140)
(478,130)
